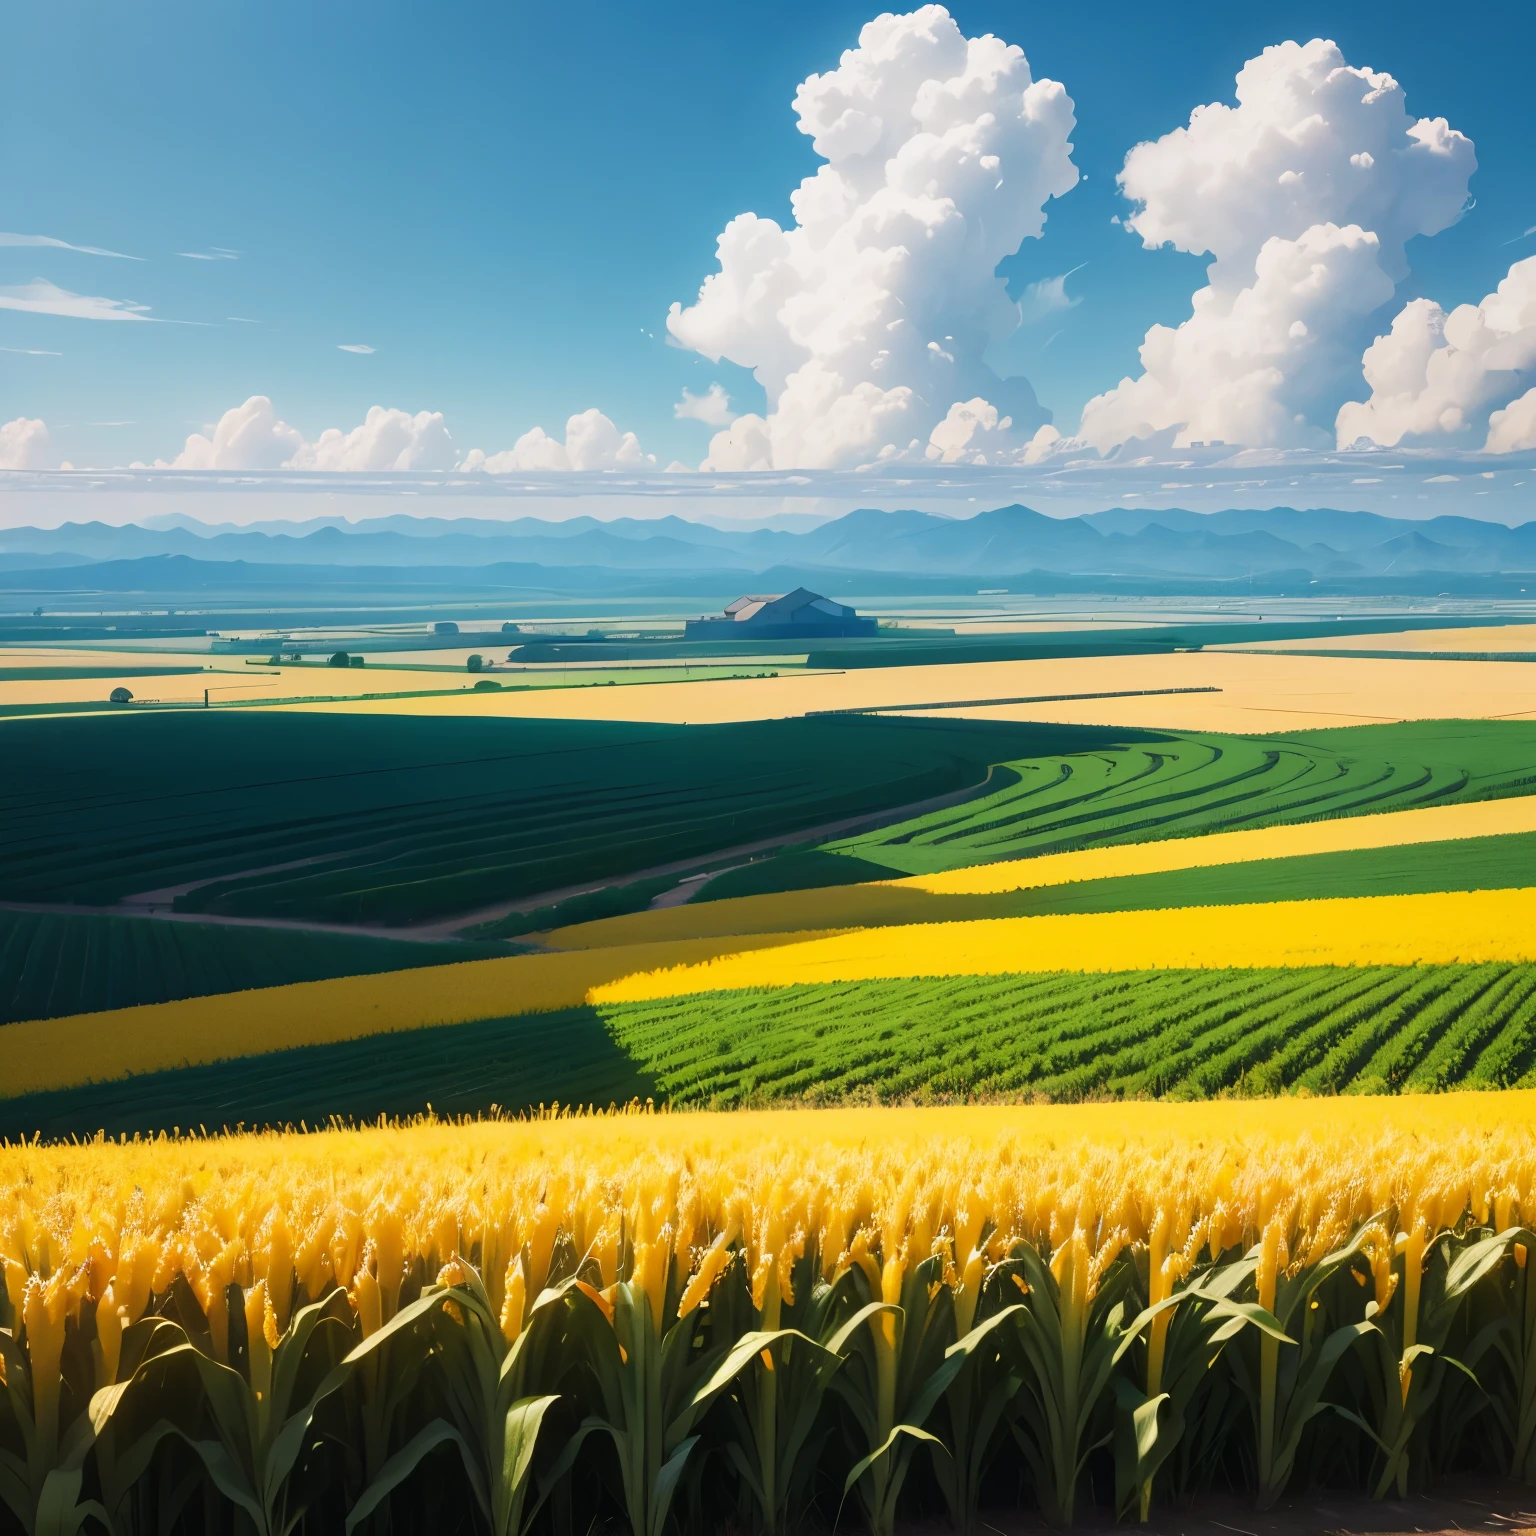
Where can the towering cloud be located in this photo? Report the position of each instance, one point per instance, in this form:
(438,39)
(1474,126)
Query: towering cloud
(869,317)
(1438,377)
(252,437)
(1305,194)
(25,444)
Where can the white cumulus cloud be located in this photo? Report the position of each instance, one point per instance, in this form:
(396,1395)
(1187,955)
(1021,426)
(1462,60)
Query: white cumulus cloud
(248,436)
(1514,427)
(870,315)
(253,437)
(1305,194)
(1443,377)
(387,439)
(591,442)
(972,432)
(713,407)
(40,297)
(25,444)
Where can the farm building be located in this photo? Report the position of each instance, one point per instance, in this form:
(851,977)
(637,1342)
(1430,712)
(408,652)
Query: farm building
(797,615)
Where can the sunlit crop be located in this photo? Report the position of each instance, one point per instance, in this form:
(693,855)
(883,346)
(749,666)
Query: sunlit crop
(1441,929)
(290,1324)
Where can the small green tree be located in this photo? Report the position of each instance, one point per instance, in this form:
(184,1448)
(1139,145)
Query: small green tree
(476,662)
(341,659)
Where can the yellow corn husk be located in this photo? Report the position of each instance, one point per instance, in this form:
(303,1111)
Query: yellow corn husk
(514,1301)
(880,1190)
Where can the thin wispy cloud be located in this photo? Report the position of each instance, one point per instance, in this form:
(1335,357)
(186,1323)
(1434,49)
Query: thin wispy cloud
(354,346)
(1049,296)
(1523,235)
(30,352)
(213,253)
(111,423)
(241,320)
(64,245)
(40,297)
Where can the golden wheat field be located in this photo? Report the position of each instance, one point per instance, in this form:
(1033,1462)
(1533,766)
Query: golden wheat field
(1478,638)
(226,680)
(1441,929)
(1257,693)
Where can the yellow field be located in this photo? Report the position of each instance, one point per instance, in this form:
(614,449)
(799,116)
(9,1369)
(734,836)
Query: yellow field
(1459,926)
(227,679)
(265,1241)
(100,1047)
(422,1162)
(1492,637)
(898,901)
(1259,693)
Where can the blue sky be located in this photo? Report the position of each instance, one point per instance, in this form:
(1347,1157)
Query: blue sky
(503,200)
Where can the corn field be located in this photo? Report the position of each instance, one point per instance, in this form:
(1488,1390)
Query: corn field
(673,1323)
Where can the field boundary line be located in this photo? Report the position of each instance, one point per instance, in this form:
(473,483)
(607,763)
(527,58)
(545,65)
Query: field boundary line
(1036,698)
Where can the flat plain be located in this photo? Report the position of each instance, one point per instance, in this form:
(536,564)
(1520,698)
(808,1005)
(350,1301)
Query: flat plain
(1370,827)
(1254,693)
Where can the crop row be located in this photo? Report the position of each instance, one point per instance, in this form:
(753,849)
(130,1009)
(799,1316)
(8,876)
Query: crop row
(1191,1033)
(1185,785)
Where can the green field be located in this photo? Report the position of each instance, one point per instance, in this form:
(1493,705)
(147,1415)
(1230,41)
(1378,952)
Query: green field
(1181,1034)
(1059,1036)
(52,965)
(1188,785)
(398,818)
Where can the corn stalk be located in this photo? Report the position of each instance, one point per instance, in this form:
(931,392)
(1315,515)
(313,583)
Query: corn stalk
(1067,1336)
(491,1420)
(261,1425)
(1152,1419)
(1405,1342)
(1514,1302)
(1286,1390)
(651,1388)
(898,1367)
(774,1405)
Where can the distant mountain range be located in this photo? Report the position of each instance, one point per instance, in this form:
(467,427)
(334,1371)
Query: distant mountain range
(1121,549)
